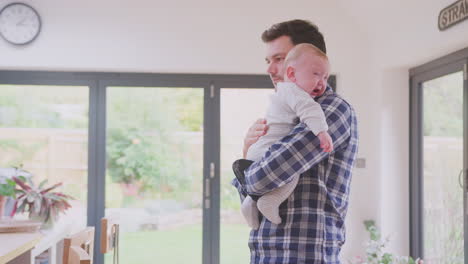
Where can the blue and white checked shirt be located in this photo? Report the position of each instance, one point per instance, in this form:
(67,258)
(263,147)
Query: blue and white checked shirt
(312,229)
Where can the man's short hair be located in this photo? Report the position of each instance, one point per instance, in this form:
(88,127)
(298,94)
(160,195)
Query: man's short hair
(300,31)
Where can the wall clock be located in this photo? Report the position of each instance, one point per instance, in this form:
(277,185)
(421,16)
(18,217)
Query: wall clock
(19,23)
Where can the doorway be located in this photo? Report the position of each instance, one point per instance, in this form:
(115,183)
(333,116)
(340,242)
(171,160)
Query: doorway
(439,154)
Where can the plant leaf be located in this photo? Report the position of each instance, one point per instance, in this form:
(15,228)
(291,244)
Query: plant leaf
(42,184)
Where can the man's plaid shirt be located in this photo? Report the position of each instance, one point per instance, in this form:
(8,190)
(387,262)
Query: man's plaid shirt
(312,229)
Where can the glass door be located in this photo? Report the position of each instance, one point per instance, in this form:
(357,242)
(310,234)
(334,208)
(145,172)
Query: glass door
(44,130)
(147,155)
(239,110)
(439,162)
(443,169)
(154,173)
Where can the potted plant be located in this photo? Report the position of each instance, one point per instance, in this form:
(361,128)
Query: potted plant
(40,202)
(7,188)
(375,250)
(7,185)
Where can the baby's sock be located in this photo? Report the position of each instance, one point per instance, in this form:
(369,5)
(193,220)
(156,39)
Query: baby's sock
(250,212)
(268,204)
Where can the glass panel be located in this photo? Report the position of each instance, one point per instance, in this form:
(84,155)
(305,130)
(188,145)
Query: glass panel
(443,160)
(45,130)
(154,173)
(239,110)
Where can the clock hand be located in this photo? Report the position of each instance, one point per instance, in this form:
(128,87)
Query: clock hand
(21,22)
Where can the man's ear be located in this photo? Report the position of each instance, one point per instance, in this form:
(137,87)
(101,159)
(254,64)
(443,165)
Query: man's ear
(291,74)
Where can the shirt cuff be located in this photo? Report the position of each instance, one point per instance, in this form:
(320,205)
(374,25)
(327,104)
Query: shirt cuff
(240,188)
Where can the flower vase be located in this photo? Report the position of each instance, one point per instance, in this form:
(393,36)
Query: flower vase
(49,224)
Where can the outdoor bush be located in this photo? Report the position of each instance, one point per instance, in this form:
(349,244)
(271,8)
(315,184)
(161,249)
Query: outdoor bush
(136,158)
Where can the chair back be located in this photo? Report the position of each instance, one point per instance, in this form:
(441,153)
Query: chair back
(78,248)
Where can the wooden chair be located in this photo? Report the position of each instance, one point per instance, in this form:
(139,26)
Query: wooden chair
(78,248)
(110,238)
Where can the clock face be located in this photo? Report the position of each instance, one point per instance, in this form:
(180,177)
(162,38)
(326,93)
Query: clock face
(19,23)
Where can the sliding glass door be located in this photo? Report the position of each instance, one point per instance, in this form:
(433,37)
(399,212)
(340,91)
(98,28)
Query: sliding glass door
(439,162)
(239,110)
(443,168)
(143,149)
(154,176)
(44,130)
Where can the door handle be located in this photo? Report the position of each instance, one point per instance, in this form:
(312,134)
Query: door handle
(207,187)
(465,192)
(460,179)
(207,194)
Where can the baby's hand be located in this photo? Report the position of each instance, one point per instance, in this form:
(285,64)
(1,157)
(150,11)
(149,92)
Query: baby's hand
(326,142)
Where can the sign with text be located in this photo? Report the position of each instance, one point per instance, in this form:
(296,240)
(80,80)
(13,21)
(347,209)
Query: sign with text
(453,14)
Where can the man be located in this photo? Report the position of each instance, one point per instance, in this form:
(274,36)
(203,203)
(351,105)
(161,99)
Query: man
(312,227)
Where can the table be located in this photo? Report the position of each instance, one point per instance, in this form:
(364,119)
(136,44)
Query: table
(52,240)
(15,248)
(23,248)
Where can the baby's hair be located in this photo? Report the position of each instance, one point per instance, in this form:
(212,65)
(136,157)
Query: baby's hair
(301,49)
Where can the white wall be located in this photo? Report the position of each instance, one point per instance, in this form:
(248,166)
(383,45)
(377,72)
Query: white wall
(371,44)
(406,38)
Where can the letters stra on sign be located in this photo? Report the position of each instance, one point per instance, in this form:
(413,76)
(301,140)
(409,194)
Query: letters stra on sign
(453,14)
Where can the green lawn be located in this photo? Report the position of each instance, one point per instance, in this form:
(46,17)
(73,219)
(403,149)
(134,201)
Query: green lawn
(181,246)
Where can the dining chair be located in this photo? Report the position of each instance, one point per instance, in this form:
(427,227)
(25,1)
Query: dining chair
(78,248)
